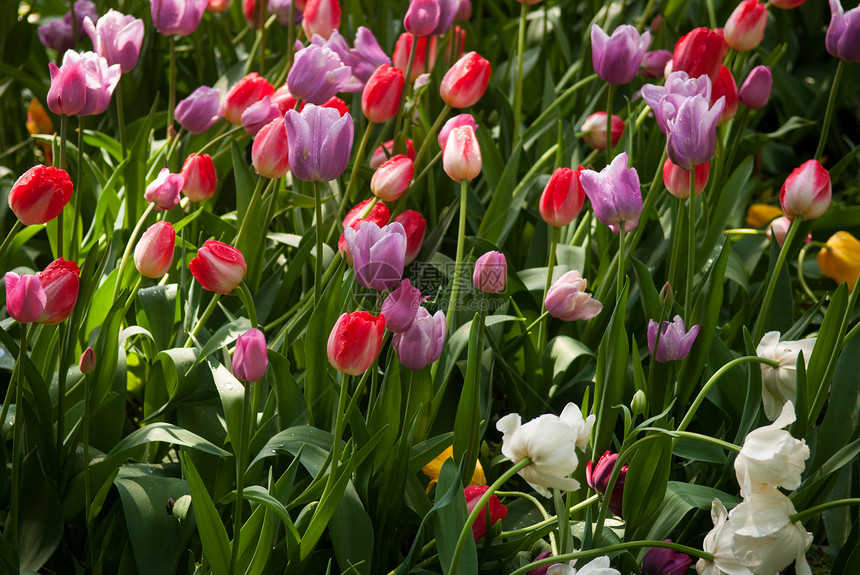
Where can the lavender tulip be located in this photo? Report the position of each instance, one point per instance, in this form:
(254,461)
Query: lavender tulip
(59,34)
(258,115)
(282,8)
(422,343)
(675,342)
(654,63)
(401,306)
(378,254)
(366,56)
(251,358)
(117,38)
(317,74)
(665,100)
(422,16)
(692,136)
(177,16)
(843,34)
(83,86)
(614,194)
(567,300)
(200,110)
(617,58)
(755,91)
(320,143)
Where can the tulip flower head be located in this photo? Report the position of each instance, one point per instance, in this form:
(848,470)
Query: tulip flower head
(355,341)
(422,343)
(392,178)
(654,63)
(677,180)
(745,27)
(700,52)
(247,91)
(594,130)
(218,267)
(662,561)
(83,85)
(598,566)
(719,543)
(59,34)
(384,152)
(674,342)
(461,158)
(378,214)
(415,226)
(153,254)
(177,17)
(779,384)
(692,133)
(425,56)
(60,281)
(320,141)
(806,192)
(455,122)
(87,362)
(258,115)
(317,74)
(378,254)
(778,229)
(320,17)
(665,100)
(567,300)
(839,259)
(843,33)
(467,80)
(117,38)
(251,357)
(434,468)
(726,87)
(25,297)
(199,178)
(759,215)
(597,476)
(491,272)
(200,110)
(363,59)
(40,194)
(497,511)
(270,152)
(562,198)
(614,194)
(426,17)
(755,91)
(164,190)
(617,58)
(401,306)
(382,94)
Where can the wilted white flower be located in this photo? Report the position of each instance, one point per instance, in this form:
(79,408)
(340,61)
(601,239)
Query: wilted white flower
(719,543)
(598,566)
(779,385)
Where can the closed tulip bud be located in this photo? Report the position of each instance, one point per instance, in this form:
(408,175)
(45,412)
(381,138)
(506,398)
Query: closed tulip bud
(422,343)
(617,58)
(180,17)
(562,198)
(247,91)
(199,177)
(779,384)
(806,192)
(320,142)
(491,272)
(355,341)
(662,561)
(755,91)
(153,254)
(401,306)
(639,403)
(320,17)
(597,476)
(654,63)
(497,511)
(25,297)
(700,52)
(117,38)
(567,300)
(218,267)
(787,4)
(199,111)
(415,226)
(594,130)
(270,152)
(258,115)
(614,193)
(386,150)
(843,33)
(674,341)
(677,180)
(61,281)
(464,11)
(40,194)
(283,99)
(725,87)
(382,94)
(745,27)
(692,133)
(760,214)
(392,178)
(83,85)
(455,122)
(461,158)
(465,83)
(317,74)
(87,362)
(667,296)
(778,229)
(425,59)
(282,8)
(59,34)
(839,259)
(251,357)
(378,254)
(164,190)
(421,17)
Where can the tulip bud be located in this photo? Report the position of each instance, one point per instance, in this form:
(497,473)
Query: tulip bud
(117,38)
(425,58)
(464,11)
(382,94)
(199,111)
(25,298)
(661,561)
(497,511)
(755,91)
(745,27)
(461,158)
(378,254)
(614,193)
(88,361)
(491,272)
(667,296)
(249,90)
(654,63)
(843,33)
(199,177)
(392,178)
(455,122)
(386,150)
(320,17)
(597,476)
(594,130)
(617,58)
(270,152)
(422,16)
(422,343)
(415,226)
(40,194)
(164,190)
(778,229)
(218,267)
(677,180)
(378,214)
(674,341)
(400,307)
(725,87)
(839,259)
(182,17)
(699,52)
(566,299)
(466,81)
(806,192)
(250,358)
(83,85)
(355,341)
(153,254)
(639,403)
(258,115)
(562,198)
(61,281)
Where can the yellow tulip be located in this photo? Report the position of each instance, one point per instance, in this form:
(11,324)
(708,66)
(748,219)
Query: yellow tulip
(433,468)
(840,258)
(760,214)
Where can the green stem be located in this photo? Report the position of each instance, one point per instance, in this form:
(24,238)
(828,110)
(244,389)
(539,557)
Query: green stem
(431,133)
(319,244)
(16,227)
(518,92)
(75,245)
(172,96)
(676,244)
(800,277)
(549,521)
(562,97)
(771,285)
(610,96)
(87,492)
(458,262)
(120,115)
(556,232)
(801,515)
(722,169)
(397,120)
(248,300)
(539,507)
(129,247)
(359,155)
(620,276)
(831,106)
(11,532)
(213,303)
(240,477)
(130,299)
(691,250)
(64,121)
(540,318)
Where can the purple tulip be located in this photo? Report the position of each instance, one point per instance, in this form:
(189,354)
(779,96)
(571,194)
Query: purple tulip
(401,306)
(317,74)
(250,358)
(660,561)
(200,110)
(545,568)
(755,91)
(654,63)
(378,254)
(614,194)
(164,190)
(422,343)
(491,272)
(421,17)
(692,135)
(59,34)
(366,56)
(665,100)
(83,85)
(117,38)
(617,58)
(180,17)
(281,8)
(25,297)
(675,342)
(320,143)
(843,34)
(597,476)
(258,115)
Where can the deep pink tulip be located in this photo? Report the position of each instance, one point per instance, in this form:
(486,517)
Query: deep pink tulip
(61,282)
(199,177)
(597,476)
(473,494)
(83,85)
(662,561)
(251,357)
(755,91)
(153,254)
(491,272)
(25,298)
(164,190)
(87,363)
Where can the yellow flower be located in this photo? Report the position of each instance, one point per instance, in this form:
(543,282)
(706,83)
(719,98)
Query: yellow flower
(433,468)
(840,258)
(760,214)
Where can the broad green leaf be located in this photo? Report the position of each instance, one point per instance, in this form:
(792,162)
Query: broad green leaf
(645,484)
(159,304)
(450,520)
(611,375)
(165,433)
(216,546)
(466,423)
(40,523)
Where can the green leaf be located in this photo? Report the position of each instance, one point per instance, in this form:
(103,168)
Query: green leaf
(450,520)
(611,375)
(828,345)
(40,523)
(319,391)
(291,403)
(158,302)
(352,532)
(466,421)
(165,433)
(232,394)
(385,414)
(216,546)
(645,484)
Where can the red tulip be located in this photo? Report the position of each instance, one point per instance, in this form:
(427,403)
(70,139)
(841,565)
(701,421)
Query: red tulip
(321,17)
(424,59)
(61,282)
(200,178)
(699,52)
(594,130)
(40,194)
(562,198)
(466,81)
(415,227)
(153,254)
(355,341)
(380,156)
(473,494)
(382,94)
(677,179)
(249,90)
(218,267)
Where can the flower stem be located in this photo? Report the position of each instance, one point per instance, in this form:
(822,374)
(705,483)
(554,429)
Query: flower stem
(518,91)
(676,244)
(610,96)
(120,116)
(691,250)
(64,121)
(431,133)
(828,114)
(248,300)
(213,303)
(252,205)
(319,242)
(556,232)
(412,51)
(801,515)
(240,455)
(458,262)
(11,531)
(549,521)
(172,96)
(87,493)
(16,227)
(359,156)
(620,276)
(130,246)
(771,285)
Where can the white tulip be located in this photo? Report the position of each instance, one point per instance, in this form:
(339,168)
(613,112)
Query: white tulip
(779,385)
(598,566)
(719,543)
(771,457)
(550,442)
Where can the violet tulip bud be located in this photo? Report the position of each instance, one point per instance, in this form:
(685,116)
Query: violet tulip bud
(401,306)
(317,74)
(614,193)
(843,33)
(421,17)
(745,27)
(247,91)
(692,137)
(465,83)
(473,494)
(386,150)
(60,34)
(218,267)
(392,178)
(677,180)
(199,177)
(700,51)
(200,110)
(675,342)
(164,190)
(378,254)
(153,254)
(117,38)
(40,194)
(725,87)
(597,476)
(461,158)
(567,300)
(806,191)
(425,59)
(251,357)
(755,91)
(594,130)
(422,343)
(491,272)
(355,341)
(25,298)
(654,63)
(320,142)
(320,17)
(562,198)
(61,281)
(182,17)
(455,122)
(87,363)
(382,94)
(661,561)
(258,115)
(270,152)
(366,55)
(282,8)
(415,226)
(83,85)
(617,58)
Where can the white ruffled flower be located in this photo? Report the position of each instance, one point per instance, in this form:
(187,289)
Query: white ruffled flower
(771,457)
(779,385)
(550,442)
(719,543)
(598,566)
